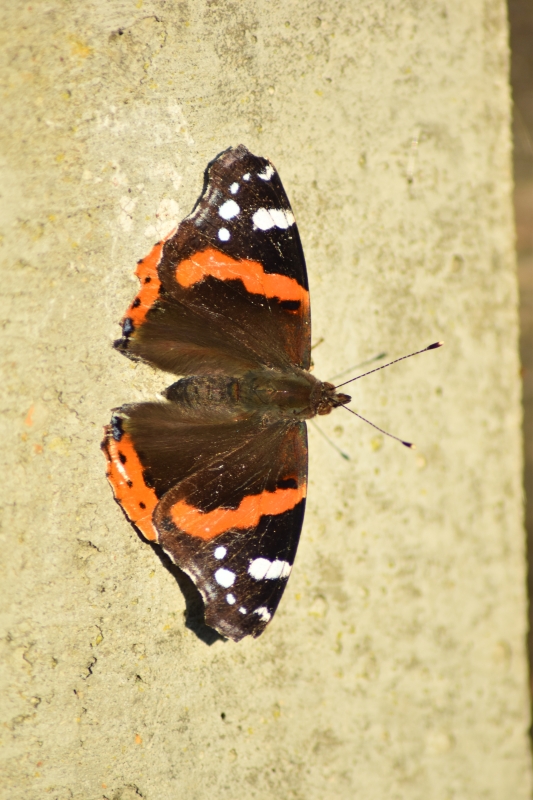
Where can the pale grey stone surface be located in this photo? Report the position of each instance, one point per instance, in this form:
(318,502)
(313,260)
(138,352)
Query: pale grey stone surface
(395,667)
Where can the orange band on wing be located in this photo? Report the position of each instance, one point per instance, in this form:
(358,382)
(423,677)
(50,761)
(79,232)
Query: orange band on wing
(212,262)
(150,285)
(208,525)
(125,474)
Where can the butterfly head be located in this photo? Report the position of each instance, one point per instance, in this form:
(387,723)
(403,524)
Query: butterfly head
(327,398)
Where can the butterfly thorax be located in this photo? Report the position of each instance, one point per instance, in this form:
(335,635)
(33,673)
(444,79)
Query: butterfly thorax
(276,395)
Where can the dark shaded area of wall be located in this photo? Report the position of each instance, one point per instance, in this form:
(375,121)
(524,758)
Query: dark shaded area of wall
(521,32)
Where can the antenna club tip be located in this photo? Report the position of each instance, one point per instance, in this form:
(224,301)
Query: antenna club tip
(410,445)
(434,345)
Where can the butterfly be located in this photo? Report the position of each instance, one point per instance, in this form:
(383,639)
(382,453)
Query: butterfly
(216,471)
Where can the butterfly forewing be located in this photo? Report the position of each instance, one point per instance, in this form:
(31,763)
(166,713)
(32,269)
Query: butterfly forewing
(231,281)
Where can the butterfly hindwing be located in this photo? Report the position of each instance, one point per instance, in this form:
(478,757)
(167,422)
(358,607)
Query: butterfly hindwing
(152,447)
(228,510)
(241,574)
(232,283)
(234,526)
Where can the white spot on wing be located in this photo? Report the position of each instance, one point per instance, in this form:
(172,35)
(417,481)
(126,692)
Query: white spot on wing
(225,577)
(234,188)
(220,552)
(243,610)
(286,571)
(259,568)
(263,569)
(224,235)
(263,220)
(246,177)
(282,219)
(229,209)
(264,613)
(120,466)
(278,569)
(273,217)
(230,598)
(267,174)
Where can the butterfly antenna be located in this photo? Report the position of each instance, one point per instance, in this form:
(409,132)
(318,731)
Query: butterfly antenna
(410,445)
(330,441)
(376,369)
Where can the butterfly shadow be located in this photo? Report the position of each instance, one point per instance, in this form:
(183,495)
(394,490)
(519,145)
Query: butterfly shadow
(194,605)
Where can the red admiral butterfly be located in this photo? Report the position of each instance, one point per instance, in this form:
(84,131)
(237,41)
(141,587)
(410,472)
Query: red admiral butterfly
(216,473)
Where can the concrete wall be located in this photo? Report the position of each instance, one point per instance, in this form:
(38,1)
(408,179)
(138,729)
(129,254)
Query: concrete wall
(395,667)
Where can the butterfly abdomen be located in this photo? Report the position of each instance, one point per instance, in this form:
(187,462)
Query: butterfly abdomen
(275,395)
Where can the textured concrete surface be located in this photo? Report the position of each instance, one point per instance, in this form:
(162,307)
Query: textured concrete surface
(395,666)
